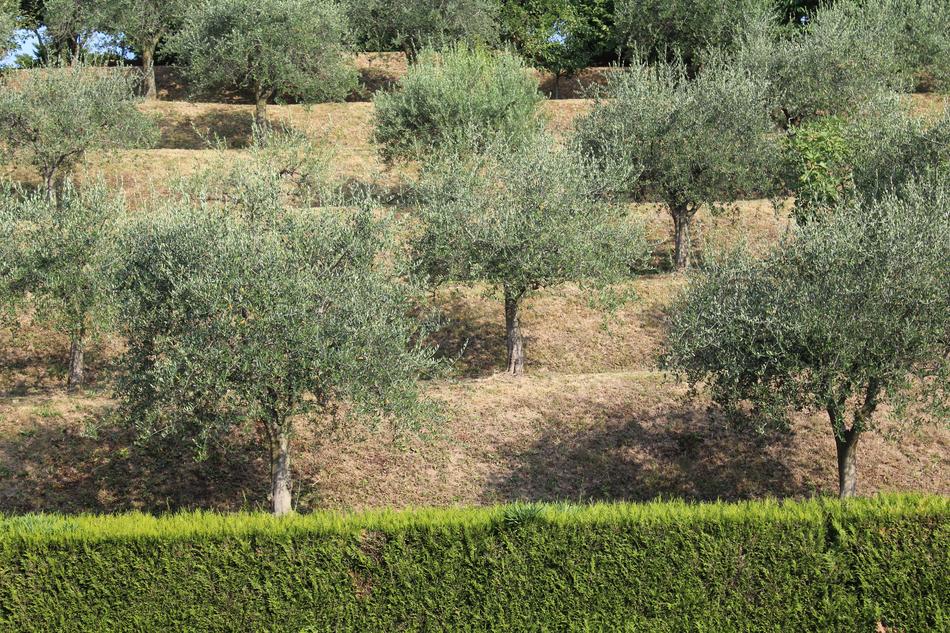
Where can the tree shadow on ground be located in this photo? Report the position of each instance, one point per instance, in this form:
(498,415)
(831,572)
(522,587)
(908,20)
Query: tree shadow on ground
(476,347)
(685,453)
(53,467)
(211,128)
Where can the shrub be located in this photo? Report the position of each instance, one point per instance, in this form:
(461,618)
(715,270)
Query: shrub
(761,566)
(463,95)
(664,30)
(686,142)
(411,25)
(848,315)
(274,48)
(51,117)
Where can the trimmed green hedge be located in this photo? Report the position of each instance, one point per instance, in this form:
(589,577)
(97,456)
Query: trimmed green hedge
(761,566)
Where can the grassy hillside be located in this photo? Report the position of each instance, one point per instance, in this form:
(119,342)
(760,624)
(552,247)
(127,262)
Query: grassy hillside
(593,419)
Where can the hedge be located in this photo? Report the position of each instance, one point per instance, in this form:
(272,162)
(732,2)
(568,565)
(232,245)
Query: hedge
(755,566)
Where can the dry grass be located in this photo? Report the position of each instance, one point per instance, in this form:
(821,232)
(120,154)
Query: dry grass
(593,419)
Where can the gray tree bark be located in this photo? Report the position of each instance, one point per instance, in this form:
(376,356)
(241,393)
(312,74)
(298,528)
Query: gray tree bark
(281,484)
(513,329)
(148,68)
(847,445)
(681,246)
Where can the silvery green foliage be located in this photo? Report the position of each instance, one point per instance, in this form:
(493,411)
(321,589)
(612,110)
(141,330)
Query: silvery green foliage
(411,25)
(8,24)
(522,219)
(919,31)
(878,151)
(50,117)
(832,66)
(273,48)
(143,24)
(663,30)
(686,142)
(52,254)
(266,318)
(461,95)
(844,315)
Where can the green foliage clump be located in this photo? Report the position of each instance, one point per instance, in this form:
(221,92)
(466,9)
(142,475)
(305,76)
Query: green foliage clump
(832,66)
(52,255)
(50,117)
(462,95)
(686,142)
(846,315)
(821,159)
(143,24)
(664,30)
(666,567)
(878,151)
(8,25)
(522,219)
(411,25)
(273,48)
(247,312)
(919,31)
(559,36)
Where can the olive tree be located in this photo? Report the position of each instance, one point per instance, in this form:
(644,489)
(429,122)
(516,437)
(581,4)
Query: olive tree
(847,315)
(687,142)
(435,103)
(143,24)
(268,321)
(830,67)
(51,117)
(521,219)
(70,24)
(882,147)
(52,256)
(664,30)
(273,48)
(411,25)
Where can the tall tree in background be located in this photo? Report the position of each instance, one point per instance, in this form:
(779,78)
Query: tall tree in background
(847,315)
(51,117)
(412,25)
(70,24)
(686,142)
(274,48)
(558,36)
(521,219)
(143,24)
(8,25)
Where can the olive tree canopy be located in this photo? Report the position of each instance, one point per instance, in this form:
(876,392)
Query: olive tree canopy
(266,320)
(272,48)
(50,117)
(684,142)
(521,219)
(846,315)
(51,255)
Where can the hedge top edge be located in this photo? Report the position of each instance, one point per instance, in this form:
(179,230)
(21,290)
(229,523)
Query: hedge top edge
(135,525)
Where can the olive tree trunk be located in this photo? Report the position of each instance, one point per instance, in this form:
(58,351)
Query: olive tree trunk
(261,97)
(513,329)
(148,69)
(682,215)
(76,370)
(846,443)
(280,476)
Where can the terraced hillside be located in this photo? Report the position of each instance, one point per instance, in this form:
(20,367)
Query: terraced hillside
(592,419)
